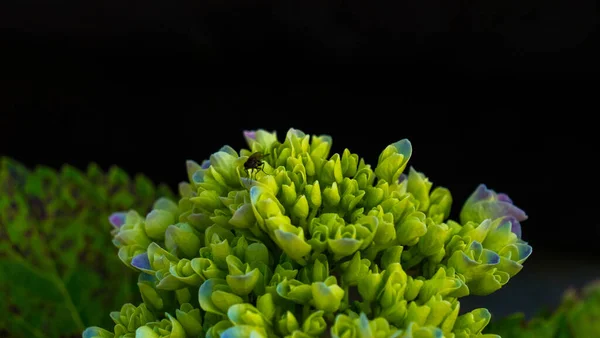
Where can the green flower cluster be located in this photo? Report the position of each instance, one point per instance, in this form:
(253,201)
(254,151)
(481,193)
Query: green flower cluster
(576,317)
(56,261)
(284,240)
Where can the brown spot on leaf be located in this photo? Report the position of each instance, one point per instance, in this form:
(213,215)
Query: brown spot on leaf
(12,308)
(67,244)
(114,189)
(28,233)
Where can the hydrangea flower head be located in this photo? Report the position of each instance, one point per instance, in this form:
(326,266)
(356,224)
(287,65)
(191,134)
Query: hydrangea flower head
(313,244)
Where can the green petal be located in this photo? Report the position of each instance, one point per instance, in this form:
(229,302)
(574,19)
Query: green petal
(327,298)
(300,208)
(146,332)
(419,186)
(393,160)
(182,238)
(315,324)
(157,222)
(295,290)
(257,252)
(293,244)
(214,300)
(243,217)
(243,284)
(266,306)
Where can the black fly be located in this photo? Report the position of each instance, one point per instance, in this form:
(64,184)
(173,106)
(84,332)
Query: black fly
(255,162)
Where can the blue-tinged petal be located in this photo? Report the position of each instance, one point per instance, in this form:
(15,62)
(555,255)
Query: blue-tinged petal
(142,262)
(117,219)
(363,326)
(97,332)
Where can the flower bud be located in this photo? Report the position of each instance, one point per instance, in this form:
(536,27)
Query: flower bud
(207,268)
(291,240)
(183,295)
(295,291)
(244,331)
(320,146)
(331,171)
(474,261)
(327,295)
(266,306)
(414,330)
(354,270)
(391,255)
(349,163)
(315,324)
(241,278)
(255,253)
(190,319)
(331,196)
(159,258)
(445,284)
(300,208)
(485,203)
(247,314)
(207,201)
(97,332)
(142,263)
(370,285)
(472,323)
(260,140)
(313,194)
(222,166)
(218,329)
(128,252)
(131,317)
(364,176)
(434,239)
(152,297)
(393,160)
(132,232)
(183,239)
(413,227)
(440,203)
(157,222)
(184,272)
(217,297)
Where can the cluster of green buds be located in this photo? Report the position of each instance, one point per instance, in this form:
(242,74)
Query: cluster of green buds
(576,317)
(284,240)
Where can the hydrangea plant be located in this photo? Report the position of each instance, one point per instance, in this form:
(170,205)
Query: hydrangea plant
(578,316)
(57,264)
(300,243)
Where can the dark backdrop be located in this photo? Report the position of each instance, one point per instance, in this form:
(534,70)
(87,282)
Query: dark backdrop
(488,92)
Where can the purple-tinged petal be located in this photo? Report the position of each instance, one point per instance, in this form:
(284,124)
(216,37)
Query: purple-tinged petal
(486,203)
(515,225)
(402,178)
(499,209)
(482,193)
(250,134)
(141,262)
(117,219)
(504,198)
(205,164)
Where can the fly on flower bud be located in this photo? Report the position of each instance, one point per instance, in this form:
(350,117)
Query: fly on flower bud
(255,162)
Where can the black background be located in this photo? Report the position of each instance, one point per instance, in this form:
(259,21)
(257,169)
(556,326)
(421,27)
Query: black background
(495,92)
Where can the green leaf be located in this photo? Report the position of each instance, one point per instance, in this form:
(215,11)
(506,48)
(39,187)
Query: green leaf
(57,260)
